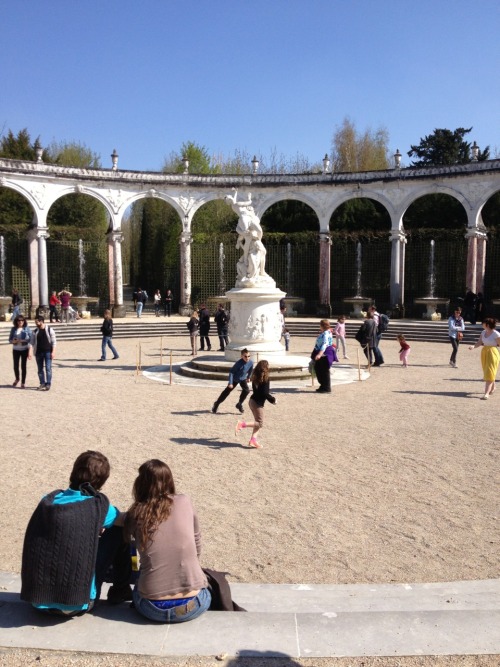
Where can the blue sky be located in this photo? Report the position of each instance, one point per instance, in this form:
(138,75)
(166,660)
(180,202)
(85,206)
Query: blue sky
(144,76)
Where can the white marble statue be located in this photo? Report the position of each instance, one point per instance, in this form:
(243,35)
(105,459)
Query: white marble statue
(250,268)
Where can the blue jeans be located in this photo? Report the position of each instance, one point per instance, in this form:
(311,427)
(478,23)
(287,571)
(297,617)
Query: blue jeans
(107,340)
(138,308)
(185,612)
(41,359)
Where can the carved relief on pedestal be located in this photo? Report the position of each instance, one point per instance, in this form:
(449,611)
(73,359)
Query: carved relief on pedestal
(256,327)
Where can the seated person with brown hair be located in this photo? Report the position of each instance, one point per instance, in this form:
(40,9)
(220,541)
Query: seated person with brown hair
(72,539)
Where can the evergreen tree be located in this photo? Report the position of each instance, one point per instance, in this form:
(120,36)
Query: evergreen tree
(444,147)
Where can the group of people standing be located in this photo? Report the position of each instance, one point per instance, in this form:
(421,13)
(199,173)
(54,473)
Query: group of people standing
(75,536)
(199,325)
(140,298)
(166,301)
(41,342)
(370,334)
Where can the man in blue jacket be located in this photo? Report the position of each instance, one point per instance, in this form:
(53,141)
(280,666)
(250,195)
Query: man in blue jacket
(239,374)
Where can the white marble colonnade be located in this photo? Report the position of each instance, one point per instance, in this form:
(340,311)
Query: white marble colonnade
(396,189)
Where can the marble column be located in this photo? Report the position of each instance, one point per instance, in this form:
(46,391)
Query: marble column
(186,307)
(43,281)
(470,278)
(33,264)
(111,270)
(398,240)
(118,306)
(476,259)
(325,243)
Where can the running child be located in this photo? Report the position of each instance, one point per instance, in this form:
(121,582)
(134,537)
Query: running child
(404,352)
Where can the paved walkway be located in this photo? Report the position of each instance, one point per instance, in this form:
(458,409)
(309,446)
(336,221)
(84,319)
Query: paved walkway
(456,618)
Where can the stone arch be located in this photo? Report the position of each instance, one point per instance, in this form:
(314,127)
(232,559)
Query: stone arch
(362,193)
(77,255)
(361,251)
(436,253)
(150,250)
(152,194)
(267,201)
(28,195)
(433,189)
(213,249)
(14,234)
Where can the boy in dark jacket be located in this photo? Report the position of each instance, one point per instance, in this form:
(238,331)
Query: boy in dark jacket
(107,335)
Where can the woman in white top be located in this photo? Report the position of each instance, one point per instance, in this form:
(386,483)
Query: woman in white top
(489,340)
(20,337)
(157,298)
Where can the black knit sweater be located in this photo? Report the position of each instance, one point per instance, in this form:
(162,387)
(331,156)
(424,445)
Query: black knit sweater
(60,550)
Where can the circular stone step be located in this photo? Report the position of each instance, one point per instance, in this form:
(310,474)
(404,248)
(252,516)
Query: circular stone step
(286,367)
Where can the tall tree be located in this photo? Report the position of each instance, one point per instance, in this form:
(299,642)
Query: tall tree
(76,215)
(353,151)
(198,156)
(18,147)
(444,147)
(15,210)
(72,154)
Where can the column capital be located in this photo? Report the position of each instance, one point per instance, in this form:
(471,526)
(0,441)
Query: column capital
(115,237)
(42,233)
(398,235)
(476,233)
(186,237)
(325,237)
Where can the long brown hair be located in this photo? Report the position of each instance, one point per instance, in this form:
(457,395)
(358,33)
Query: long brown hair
(153,491)
(261,372)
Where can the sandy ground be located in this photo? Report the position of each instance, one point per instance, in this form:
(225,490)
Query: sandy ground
(388,480)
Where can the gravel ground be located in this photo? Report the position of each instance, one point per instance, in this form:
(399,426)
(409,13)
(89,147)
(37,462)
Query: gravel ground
(387,480)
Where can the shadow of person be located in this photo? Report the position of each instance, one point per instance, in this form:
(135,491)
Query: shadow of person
(254,658)
(213,443)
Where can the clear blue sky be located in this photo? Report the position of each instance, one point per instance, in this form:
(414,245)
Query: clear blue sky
(144,76)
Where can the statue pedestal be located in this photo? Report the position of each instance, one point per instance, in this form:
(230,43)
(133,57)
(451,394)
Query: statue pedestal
(255,322)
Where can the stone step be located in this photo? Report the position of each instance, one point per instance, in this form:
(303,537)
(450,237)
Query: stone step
(282,367)
(453,618)
(413,330)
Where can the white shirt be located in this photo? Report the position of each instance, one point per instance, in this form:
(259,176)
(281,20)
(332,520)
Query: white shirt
(489,339)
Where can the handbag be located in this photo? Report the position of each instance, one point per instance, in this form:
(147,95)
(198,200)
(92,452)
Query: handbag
(360,335)
(459,335)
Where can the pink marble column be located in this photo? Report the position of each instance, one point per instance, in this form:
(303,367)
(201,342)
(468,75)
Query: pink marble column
(325,242)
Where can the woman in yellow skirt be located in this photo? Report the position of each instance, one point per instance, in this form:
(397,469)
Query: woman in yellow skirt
(490,354)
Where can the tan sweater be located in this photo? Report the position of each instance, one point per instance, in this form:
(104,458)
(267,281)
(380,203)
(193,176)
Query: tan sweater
(169,564)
